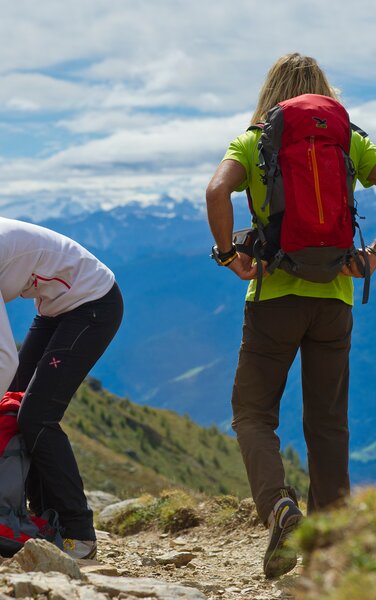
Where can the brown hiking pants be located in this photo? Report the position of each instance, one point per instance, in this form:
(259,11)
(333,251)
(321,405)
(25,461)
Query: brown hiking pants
(273,332)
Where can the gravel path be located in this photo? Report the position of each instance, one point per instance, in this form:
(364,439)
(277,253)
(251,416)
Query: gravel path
(227,564)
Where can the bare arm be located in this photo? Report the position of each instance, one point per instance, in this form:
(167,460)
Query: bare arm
(229,175)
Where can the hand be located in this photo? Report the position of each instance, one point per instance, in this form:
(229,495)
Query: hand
(351,270)
(244,268)
(372,262)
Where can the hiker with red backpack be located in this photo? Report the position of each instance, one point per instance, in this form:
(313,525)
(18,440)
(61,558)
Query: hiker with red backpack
(79,308)
(299,162)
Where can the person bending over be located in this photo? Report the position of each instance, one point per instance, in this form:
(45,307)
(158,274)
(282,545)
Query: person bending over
(79,309)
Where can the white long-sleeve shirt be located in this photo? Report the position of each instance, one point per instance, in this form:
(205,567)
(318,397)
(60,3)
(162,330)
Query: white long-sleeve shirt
(56,271)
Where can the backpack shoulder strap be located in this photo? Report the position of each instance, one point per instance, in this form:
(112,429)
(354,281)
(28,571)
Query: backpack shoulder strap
(358,130)
(261,236)
(255,127)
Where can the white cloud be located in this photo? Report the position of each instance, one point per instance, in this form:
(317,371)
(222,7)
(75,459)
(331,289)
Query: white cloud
(174,157)
(107,121)
(200,54)
(170,157)
(164,145)
(152,92)
(37,92)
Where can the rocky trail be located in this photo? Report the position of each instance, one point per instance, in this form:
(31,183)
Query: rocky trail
(220,559)
(176,548)
(223,565)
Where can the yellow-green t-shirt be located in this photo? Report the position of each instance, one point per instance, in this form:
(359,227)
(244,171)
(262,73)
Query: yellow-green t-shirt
(244,150)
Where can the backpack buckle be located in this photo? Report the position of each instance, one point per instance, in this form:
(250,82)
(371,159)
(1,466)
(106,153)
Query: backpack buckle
(275,262)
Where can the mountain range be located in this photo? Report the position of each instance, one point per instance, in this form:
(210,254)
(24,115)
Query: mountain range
(177,347)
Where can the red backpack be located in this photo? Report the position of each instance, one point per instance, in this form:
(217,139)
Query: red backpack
(304,153)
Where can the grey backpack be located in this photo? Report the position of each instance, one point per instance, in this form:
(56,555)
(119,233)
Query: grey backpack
(17,525)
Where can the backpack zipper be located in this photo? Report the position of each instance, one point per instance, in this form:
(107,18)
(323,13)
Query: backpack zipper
(313,166)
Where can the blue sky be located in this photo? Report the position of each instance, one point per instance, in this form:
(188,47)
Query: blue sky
(109,102)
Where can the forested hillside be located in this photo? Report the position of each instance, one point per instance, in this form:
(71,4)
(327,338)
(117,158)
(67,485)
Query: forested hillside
(129,449)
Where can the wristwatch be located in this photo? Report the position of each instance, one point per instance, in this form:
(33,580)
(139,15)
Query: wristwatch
(223,259)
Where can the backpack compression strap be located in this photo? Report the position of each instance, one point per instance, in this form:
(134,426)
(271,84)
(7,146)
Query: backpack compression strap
(366,268)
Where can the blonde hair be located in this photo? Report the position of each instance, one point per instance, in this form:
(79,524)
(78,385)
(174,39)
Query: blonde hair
(292,75)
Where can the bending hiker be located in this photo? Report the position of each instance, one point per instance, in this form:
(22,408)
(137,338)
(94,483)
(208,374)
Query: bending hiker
(79,311)
(292,314)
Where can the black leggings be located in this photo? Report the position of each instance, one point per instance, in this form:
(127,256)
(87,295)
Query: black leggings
(55,357)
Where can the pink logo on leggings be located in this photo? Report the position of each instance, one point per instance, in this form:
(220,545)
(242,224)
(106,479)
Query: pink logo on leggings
(54,362)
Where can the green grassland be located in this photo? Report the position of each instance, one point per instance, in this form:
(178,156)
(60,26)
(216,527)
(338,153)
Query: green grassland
(129,449)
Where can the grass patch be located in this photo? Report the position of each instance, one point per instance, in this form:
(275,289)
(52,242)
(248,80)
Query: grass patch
(173,511)
(339,549)
(223,510)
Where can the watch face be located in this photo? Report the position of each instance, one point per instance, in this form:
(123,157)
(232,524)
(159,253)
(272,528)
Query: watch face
(214,255)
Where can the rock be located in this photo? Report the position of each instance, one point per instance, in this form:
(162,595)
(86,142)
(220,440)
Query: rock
(103,536)
(170,567)
(108,514)
(148,561)
(143,588)
(58,586)
(98,500)
(113,554)
(179,541)
(40,555)
(54,585)
(10,566)
(204,586)
(98,568)
(175,558)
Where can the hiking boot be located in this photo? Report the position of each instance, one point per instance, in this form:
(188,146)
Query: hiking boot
(78,549)
(279,558)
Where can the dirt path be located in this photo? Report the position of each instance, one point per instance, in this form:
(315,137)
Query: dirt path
(227,564)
